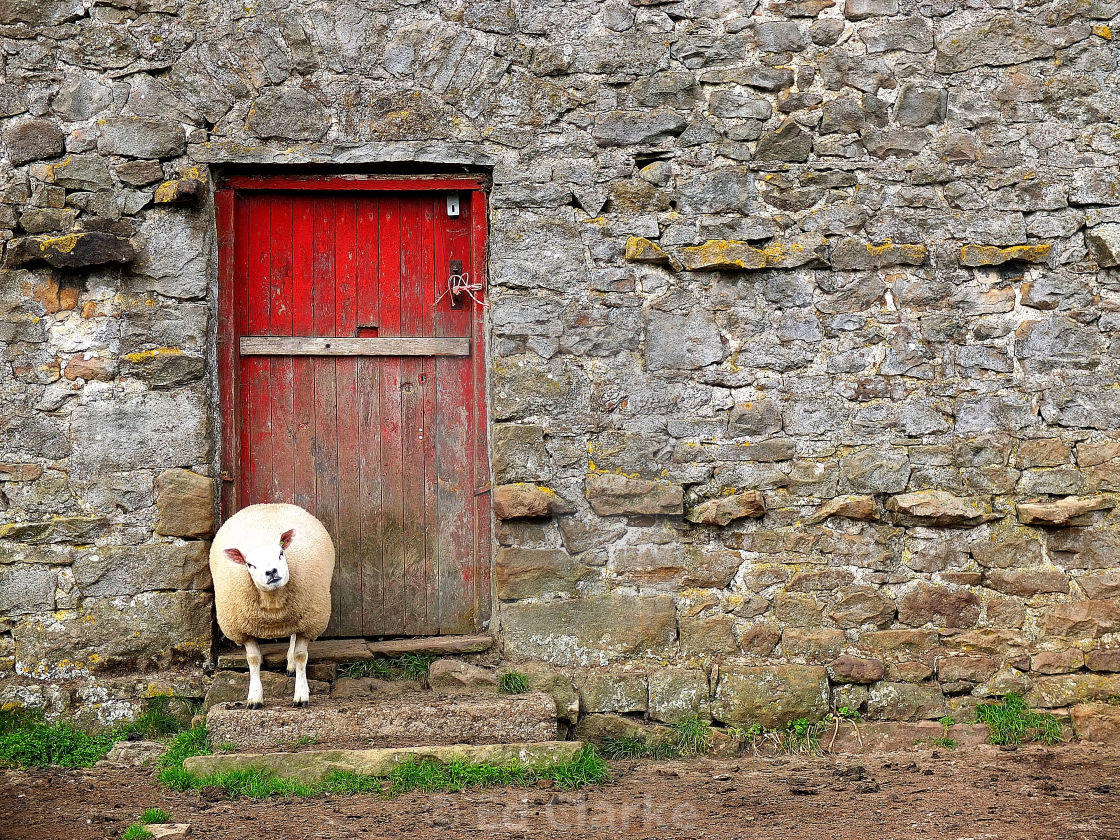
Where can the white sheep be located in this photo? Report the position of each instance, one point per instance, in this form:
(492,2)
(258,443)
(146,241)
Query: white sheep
(272,568)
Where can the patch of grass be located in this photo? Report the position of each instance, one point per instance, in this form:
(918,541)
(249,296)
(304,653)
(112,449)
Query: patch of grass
(1012,721)
(414,665)
(948,743)
(155,815)
(513,682)
(800,736)
(136,831)
(947,721)
(687,737)
(796,737)
(586,768)
(847,713)
(379,668)
(409,666)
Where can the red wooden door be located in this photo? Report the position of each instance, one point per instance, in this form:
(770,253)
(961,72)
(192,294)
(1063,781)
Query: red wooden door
(352,385)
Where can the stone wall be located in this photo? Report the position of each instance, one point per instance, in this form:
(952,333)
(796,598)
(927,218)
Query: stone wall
(804,315)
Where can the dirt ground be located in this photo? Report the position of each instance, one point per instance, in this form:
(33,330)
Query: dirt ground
(1035,793)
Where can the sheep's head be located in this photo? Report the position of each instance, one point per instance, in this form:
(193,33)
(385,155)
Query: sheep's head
(265,562)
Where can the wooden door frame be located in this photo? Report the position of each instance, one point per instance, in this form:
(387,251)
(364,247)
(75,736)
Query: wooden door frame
(227,337)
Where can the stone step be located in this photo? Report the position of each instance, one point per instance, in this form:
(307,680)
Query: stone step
(341,651)
(312,766)
(410,718)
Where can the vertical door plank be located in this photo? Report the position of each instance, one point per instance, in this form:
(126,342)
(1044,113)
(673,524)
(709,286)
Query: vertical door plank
(303,373)
(369,418)
(237,314)
(392,450)
(412,414)
(280,323)
(325,445)
(456,579)
(346,373)
(427,377)
(259,370)
(476,219)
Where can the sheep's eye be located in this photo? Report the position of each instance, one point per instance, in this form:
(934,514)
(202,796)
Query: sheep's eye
(249,565)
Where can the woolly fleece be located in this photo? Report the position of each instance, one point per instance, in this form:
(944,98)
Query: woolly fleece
(303,605)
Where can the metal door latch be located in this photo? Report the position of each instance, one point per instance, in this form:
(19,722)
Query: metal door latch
(453,204)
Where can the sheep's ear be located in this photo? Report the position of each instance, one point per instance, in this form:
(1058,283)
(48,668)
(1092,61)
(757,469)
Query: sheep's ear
(286,537)
(235,555)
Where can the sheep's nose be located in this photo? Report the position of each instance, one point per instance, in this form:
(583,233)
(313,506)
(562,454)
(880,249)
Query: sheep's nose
(272,575)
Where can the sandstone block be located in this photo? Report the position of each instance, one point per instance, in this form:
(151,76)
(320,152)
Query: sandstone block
(676,693)
(1061,512)
(1104,585)
(904,701)
(1096,722)
(185,501)
(1103,659)
(453,676)
(726,509)
(870,471)
(534,572)
(615,494)
(938,508)
(1053,692)
(861,508)
(772,696)
(852,669)
(929,603)
(514,501)
(708,635)
(861,605)
(813,644)
(1057,661)
(127,570)
(1082,619)
(967,669)
(1027,582)
(557,685)
(591,631)
(617,692)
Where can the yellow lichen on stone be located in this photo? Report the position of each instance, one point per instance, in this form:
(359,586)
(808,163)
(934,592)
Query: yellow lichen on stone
(145,355)
(59,244)
(1103,31)
(980,255)
(640,249)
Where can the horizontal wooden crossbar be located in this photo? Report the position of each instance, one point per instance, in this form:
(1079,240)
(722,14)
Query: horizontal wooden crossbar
(271,345)
(255,182)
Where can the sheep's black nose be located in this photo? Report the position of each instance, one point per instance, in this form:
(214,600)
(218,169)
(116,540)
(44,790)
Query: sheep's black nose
(272,575)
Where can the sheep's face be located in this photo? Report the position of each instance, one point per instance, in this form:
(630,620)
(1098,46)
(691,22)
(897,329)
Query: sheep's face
(265,562)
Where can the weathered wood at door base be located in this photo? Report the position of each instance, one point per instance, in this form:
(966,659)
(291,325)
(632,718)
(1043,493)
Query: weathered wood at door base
(439,645)
(271,345)
(358,650)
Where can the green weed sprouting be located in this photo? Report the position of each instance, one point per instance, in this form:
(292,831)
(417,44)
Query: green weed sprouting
(136,831)
(687,737)
(1012,721)
(154,815)
(409,666)
(513,682)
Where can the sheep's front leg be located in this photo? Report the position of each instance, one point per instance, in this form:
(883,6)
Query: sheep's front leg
(303,692)
(291,669)
(253,656)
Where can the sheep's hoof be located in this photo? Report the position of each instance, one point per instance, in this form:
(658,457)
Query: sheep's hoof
(300,704)
(254,705)
(289,673)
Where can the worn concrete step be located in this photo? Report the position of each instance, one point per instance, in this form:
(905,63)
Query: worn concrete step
(340,651)
(313,765)
(408,719)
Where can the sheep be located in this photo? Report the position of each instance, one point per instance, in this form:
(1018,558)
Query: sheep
(272,566)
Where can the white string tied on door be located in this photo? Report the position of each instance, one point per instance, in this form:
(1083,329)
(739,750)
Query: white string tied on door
(459,283)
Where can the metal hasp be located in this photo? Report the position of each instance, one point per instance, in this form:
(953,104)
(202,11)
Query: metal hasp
(455,270)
